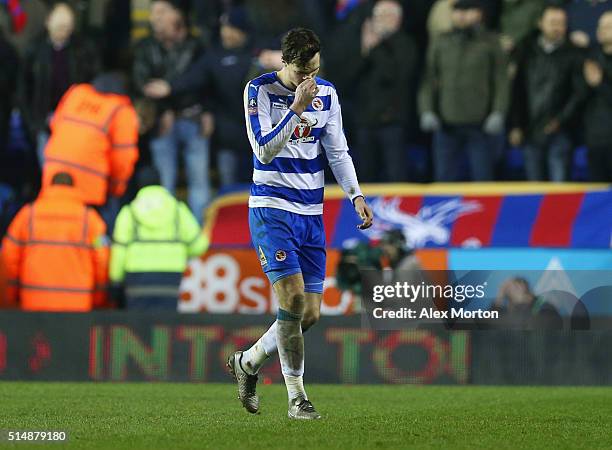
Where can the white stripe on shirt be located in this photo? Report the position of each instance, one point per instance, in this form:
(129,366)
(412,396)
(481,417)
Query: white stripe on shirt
(291,180)
(279,203)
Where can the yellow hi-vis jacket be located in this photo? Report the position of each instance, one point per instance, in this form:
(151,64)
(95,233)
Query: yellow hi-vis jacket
(155,235)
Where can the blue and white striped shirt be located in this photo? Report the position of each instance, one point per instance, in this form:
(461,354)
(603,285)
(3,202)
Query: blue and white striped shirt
(293,180)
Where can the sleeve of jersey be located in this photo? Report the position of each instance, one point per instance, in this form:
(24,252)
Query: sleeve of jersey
(267,141)
(336,148)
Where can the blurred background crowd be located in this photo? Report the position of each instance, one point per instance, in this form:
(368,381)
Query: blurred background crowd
(431,90)
(448,90)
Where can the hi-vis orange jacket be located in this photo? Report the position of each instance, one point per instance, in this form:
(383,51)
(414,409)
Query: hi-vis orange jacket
(94,138)
(56,254)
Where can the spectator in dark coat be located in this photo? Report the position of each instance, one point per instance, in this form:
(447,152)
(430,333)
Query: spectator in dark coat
(464,94)
(271,19)
(51,65)
(12,171)
(518,20)
(546,97)
(388,67)
(598,110)
(583,16)
(222,72)
(8,81)
(167,54)
(342,61)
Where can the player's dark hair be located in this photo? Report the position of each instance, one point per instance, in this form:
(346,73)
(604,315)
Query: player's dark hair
(299,46)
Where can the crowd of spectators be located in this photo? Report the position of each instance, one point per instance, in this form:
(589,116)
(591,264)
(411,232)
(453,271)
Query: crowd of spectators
(432,90)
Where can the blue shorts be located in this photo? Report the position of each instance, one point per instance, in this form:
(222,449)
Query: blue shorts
(288,243)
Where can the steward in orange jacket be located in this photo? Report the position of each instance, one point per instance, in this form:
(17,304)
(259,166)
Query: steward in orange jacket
(55,252)
(94,137)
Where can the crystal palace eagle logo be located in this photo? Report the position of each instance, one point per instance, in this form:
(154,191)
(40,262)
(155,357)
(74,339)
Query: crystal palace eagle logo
(432,223)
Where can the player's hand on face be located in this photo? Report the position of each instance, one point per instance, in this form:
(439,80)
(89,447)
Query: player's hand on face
(304,94)
(365,213)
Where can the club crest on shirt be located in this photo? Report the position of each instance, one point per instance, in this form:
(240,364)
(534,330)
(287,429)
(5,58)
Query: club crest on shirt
(280,255)
(317,104)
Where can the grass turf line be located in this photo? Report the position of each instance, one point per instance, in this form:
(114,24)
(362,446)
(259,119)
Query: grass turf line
(184,416)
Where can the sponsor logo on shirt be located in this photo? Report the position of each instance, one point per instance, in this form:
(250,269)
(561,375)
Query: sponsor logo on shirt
(279,105)
(301,133)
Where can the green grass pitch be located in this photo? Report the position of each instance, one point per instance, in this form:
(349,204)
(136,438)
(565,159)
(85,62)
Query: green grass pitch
(201,416)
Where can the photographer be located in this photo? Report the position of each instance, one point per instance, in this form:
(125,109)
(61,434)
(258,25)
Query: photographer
(521,308)
(391,256)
